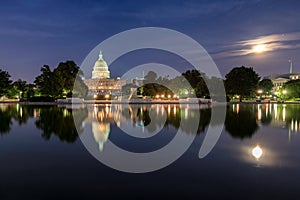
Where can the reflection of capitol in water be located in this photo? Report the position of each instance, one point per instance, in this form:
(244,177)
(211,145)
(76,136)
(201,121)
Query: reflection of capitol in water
(139,121)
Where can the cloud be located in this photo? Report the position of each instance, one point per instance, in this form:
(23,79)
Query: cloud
(270,43)
(177,10)
(25,33)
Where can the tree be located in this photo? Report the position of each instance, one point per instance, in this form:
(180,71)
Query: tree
(154,85)
(60,81)
(30,90)
(80,89)
(266,85)
(5,82)
(21,86)
(292,88)
(150,77)
(67,71)
(47,83)
(197,82)
(242,81)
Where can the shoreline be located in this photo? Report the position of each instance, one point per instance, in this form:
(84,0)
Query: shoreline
(142,102)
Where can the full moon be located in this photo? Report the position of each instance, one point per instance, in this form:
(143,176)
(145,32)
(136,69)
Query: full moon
(259,48)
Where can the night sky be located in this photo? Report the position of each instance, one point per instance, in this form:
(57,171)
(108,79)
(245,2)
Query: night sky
(34,33)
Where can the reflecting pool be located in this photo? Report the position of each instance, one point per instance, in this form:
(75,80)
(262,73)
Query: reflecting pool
(42,156)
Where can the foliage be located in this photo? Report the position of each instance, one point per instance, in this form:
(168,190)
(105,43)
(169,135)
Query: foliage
(60,81)
(242,81)
(154,85)
(30,90)
(152,89)
(191,82)
(21,86)
(80,89)
(5,83)
(197,82)
(150,77)
(292,89)
(266,85)
(47,83)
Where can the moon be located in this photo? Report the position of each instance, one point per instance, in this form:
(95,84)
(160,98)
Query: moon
(259,48)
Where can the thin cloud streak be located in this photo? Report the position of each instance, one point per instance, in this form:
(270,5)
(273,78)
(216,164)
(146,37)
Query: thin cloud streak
(271,43)
(25,33)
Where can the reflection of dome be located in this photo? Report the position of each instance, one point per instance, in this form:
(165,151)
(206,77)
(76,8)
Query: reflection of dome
(100,132)
(100,70)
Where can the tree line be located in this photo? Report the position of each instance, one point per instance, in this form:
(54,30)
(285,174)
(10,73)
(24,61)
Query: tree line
(49,85)
(241,81)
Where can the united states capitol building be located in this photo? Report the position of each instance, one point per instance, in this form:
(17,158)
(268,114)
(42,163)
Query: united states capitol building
(101,83)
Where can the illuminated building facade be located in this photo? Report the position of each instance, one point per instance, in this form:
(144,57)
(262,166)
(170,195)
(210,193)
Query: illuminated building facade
(101,83)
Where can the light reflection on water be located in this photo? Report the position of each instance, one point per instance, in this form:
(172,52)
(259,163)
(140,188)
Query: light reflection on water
(147,120)
(262,137)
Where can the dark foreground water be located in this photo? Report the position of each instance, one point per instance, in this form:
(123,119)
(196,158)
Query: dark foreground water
(42,156)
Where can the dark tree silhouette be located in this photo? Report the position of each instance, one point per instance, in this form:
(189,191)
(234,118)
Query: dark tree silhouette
(242,81)
(21,87)
(5,83)
(266,85)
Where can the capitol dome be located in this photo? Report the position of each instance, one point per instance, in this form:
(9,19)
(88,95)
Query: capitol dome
(100,70)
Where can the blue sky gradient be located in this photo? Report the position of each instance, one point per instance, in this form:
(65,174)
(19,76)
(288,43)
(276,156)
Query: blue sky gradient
(34,32)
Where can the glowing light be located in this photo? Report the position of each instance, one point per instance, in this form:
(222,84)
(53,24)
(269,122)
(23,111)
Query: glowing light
(162,96)
(283,114)
(257,152)
(95,96)
(106,96)
(169,96)
(259,48)
(284,92)
(259,113)
(186,113)
(259,91)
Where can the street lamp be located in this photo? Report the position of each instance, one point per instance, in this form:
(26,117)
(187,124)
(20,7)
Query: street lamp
(284,92)
(259,91)
(106,96)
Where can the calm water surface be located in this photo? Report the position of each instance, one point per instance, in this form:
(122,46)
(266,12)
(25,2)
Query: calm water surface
(42,157)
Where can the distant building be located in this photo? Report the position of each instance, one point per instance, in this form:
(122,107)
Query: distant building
(101,83)
(281,79)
